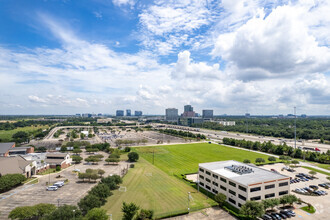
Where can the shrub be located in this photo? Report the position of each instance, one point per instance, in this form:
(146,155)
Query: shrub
(58,168)
(247,161)
(127,149)
(131,166)
(9,181)
(271,158)
(97,214)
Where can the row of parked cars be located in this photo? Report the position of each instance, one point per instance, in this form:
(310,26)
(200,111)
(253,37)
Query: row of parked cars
(311,190)
(283,214)
(55,186)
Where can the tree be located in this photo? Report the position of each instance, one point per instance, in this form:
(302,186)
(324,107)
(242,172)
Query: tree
(77,151)
(101,190)
(63,149)
(97,214)
(76,159)
(44,209)
(260,160)
(145,214)
(112,181)
(252,209)
(94,176)
(295,162)
(220,198)
(114,155)
(129,210)
(288,199)
(65,212)
(23,212)
(20,137)
(100,172)
(247,161)
(112,160)
(328,178)
(271,158)
(274,202)
(127,149)
(267,203)
(133,156)
(312,172)
(89,202)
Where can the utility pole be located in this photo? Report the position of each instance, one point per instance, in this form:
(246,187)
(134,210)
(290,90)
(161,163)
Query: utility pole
(295,128)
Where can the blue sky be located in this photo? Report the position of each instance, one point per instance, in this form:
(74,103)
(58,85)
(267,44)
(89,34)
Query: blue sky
(66,57)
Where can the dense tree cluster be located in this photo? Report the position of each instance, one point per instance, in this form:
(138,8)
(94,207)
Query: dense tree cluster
(182,133)
(23,123)
(307,128)
(282,149)
(9,181)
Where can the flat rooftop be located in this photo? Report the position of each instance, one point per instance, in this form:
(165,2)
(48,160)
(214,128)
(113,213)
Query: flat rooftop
(249,175)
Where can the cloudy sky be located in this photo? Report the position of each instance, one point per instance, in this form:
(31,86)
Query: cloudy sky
(233,56)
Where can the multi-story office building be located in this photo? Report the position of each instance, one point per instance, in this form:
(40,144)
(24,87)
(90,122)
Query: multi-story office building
(227,123)
(171,114)
(128,112)
(138,113)
(241,182)
(120,113)
(189,121)
(188,111)
(207,114)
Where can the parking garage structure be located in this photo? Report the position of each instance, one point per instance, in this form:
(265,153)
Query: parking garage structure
(242,182)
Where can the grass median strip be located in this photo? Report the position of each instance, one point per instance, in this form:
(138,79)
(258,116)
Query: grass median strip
(317,170)
(310,209)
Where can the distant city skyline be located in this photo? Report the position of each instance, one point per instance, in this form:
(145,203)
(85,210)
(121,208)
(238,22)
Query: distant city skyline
(229,56)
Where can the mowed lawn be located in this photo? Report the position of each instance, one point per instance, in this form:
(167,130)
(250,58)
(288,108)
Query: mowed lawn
(6,136)
(151,188)
(184,158)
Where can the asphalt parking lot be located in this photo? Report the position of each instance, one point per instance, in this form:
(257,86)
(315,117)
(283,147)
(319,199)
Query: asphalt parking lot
(70,193)
(321,203)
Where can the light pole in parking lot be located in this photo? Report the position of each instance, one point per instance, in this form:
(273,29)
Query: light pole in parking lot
(58,203)
(74,214)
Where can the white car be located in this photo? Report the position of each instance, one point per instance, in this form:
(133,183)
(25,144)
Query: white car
(59,184)
(51,188)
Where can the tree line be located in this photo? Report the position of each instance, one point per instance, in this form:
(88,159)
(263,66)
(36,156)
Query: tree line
(182,133)
(282,149)
(307,128)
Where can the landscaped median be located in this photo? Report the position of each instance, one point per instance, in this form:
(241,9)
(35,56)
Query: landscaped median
(309,209)
(316,170)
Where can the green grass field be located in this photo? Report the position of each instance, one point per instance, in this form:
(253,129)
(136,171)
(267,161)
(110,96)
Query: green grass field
(184,158)
(317,170)
(5,136)
(151,188)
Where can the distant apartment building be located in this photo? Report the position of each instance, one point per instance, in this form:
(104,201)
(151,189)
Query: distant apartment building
(227,123)
(78,115)
(86,115)
(120,113)
(138,113)
(171,114)
(207,114)
(128,112)
(242,182)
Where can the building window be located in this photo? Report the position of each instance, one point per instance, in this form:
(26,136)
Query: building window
(208,173)
(207,180)
(270,186)
(241,197)
(215,191)
(202,177)
(269,195)
(232,184)
(232,201)
(207,187)
(239,205)
(223,179)
(202,184)
(283,184)
(215,176)
(214,183)
(283,193)
(202,170)
(242,188)
(223,188)
(255,198)
(232,192)
(255,189)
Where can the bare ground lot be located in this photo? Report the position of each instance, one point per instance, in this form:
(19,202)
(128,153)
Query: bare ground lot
(71,193)
(321,203)
(213,213)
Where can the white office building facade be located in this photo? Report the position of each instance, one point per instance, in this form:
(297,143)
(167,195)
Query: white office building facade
(241,182)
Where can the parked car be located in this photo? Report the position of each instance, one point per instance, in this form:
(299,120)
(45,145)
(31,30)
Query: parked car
(51,188)
(59,184)
(290,212)
(266,217)
(314,187)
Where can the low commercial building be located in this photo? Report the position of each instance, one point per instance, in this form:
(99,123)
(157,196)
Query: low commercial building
(5,147)
(227,123)
(18,164)
(21,151)
(104,120)
(39,159)
(242,182)
(58,159)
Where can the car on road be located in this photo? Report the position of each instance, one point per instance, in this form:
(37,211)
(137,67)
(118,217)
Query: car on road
(51,188)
